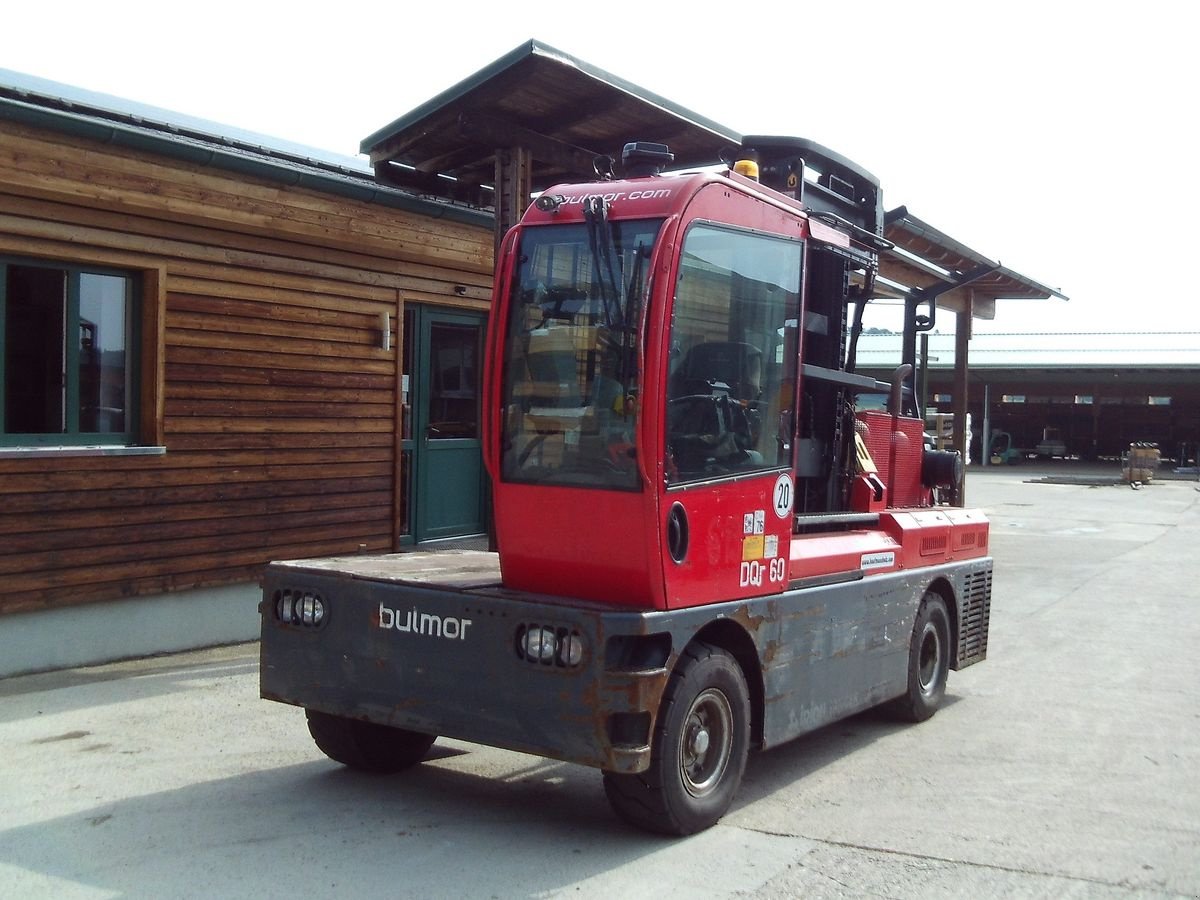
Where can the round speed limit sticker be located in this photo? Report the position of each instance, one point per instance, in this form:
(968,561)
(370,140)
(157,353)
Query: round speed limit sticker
(782,495)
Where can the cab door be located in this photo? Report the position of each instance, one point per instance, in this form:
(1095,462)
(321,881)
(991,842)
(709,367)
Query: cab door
(728,398)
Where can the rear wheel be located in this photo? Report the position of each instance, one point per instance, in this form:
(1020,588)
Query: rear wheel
(928,662)
(699,750)
(365,745)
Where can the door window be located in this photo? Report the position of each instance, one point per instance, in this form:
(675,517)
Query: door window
(454,379)
(730,391)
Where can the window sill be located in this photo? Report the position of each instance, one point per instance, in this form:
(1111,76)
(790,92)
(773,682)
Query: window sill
(83,450)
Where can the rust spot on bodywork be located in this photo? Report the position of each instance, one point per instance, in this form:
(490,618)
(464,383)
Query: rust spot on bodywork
(744,617)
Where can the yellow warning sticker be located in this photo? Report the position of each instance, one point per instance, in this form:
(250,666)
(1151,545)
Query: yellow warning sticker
(752,547)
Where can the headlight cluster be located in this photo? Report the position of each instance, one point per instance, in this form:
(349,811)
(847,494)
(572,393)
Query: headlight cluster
(300,608)
(549,646)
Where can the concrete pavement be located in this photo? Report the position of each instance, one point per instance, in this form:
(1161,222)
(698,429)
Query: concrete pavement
(1068,764)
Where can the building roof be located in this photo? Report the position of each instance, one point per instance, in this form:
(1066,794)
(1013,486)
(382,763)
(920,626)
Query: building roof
(1059,352)
(930,260)
(565,111)
(438,160)
(72,110)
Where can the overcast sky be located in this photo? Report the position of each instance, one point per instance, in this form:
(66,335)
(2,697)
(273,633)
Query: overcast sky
(1055,137)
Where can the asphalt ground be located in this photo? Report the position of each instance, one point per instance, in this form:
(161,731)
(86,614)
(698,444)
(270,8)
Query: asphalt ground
(1066,765)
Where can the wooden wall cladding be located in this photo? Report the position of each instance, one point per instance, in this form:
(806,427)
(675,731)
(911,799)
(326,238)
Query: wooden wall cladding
(275,401)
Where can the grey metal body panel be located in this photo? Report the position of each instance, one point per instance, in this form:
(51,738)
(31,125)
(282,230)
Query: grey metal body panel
(428,642)
(843,648)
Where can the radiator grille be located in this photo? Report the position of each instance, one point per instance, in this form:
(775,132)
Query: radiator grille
(934,545)
(974,610)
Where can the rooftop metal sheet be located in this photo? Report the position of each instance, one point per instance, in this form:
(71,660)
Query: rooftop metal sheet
(1106,350)
(928,258)
(66,108)
(563,110)
(84,102)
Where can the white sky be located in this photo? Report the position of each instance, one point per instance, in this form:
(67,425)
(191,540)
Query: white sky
(1056,137)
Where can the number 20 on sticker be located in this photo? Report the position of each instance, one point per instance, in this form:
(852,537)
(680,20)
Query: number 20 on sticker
(781,495)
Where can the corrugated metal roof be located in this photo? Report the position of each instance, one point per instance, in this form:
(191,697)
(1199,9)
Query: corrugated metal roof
(84,102)
(930,259)
(1102,350)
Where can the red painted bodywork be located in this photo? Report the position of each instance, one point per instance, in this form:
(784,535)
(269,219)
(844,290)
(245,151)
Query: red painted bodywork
(895,444)
(610,546)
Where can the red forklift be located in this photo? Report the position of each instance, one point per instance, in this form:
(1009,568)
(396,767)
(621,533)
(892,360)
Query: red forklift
(707,543)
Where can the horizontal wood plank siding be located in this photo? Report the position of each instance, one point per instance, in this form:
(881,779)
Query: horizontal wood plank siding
(273,397)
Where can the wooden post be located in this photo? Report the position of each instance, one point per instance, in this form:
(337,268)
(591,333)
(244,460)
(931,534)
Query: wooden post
(514,184)
(962,338)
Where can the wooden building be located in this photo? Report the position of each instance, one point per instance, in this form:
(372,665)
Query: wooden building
(215,352)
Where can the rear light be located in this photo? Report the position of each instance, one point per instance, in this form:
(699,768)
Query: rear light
(571,650)
(303,608)
(548,645)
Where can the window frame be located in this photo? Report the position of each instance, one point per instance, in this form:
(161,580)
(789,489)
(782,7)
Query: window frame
(144,335)
(678,481)
(590,446)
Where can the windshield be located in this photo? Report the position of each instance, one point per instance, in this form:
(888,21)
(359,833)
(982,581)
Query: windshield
(571,378)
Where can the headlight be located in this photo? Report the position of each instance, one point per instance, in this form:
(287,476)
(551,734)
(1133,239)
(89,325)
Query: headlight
(550,646)
(302,608)
(539,644)
(312,610)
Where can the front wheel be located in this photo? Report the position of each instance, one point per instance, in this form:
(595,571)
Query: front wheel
(365,745)
(928,662)
(699,753)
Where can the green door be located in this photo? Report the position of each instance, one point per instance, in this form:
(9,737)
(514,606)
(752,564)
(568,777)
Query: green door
(447,463)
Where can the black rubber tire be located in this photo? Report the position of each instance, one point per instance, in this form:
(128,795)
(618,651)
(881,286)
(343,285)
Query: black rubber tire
(365,745)
(698,755)
(928,662)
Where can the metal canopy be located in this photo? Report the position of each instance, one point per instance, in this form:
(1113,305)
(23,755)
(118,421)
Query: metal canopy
(928,260)
(562,110)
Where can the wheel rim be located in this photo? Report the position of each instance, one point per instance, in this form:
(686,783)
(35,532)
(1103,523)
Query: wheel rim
(707,742)
(931,658)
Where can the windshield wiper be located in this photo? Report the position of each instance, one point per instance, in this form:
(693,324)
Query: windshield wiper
(603,245)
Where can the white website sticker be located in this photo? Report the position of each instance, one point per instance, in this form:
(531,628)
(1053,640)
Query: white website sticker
(877,560)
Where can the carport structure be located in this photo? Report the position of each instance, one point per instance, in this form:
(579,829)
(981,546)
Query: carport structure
(537,117)
(927,269)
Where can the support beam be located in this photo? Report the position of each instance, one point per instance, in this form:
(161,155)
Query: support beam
(923,378)
(985,442)
(410,179)
(499,132)
(514,173)
(962,339)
